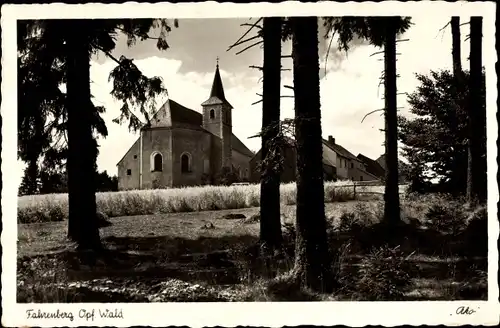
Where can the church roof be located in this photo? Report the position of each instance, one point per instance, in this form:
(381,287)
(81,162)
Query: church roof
(173,114)
(217,96)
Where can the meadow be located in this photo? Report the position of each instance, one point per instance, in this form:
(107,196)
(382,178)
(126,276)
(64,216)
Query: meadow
(185,254)
(54,207)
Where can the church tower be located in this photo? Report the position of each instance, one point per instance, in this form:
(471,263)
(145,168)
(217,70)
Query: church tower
(217,118)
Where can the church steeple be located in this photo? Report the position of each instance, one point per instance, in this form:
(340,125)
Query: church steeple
(217,88)
(217,92)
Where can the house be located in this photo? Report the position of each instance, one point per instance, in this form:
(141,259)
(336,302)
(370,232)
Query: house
(378,167)
(348,166)
(181,147)
(338,164)
(373,166)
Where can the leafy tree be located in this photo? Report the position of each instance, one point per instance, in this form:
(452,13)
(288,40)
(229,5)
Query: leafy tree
(67,45)
(435,141)
(312,259)
(380,32)
(476,174)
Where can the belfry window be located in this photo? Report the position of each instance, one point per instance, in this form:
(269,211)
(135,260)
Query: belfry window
(212,114)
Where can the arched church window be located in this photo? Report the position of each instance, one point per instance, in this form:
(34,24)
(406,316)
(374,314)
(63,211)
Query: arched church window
(185,163)
(212,114)
(157,162)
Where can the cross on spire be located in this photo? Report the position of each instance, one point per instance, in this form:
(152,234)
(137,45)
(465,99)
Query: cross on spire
(217,61)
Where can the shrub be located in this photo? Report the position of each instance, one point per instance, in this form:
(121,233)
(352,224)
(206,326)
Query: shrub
(446,217)
(384,275)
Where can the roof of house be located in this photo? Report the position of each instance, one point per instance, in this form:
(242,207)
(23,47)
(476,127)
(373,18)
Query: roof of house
(340,150)
(372,166)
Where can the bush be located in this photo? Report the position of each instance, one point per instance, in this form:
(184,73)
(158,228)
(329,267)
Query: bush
(384,275)
(446,217)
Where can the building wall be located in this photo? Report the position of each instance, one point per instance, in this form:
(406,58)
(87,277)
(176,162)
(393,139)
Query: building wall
(129,162)
(342,168)
(356,174)
(227,132)
(289,169)
(157,140)
(209,124)
(195,143)
(241,163)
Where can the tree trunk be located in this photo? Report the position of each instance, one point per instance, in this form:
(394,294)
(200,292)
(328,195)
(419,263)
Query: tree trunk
(456,46)
(82,223)
(476,174)
(312,259)
(391,195)
(270,221)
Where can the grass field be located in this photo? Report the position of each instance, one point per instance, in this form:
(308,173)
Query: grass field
(54,207)
(203,256)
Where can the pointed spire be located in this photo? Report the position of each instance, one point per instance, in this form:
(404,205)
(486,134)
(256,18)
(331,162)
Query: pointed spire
(217,88)
(217,93)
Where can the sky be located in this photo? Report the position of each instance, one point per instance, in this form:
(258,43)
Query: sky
(349,85)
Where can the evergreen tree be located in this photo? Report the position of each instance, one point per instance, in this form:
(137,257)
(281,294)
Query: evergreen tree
(380,32)
(436,140)
(270,219)
(476,176)
(59,52)
(312,260)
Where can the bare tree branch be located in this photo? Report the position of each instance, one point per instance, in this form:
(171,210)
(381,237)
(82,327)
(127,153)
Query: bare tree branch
(328,50)
(246,40)
(376,53)
(374,111)
(289,87)
(442,29)
(287,56)
(464,23)
(245,34)
(256,67)
(252,25)
(251,46)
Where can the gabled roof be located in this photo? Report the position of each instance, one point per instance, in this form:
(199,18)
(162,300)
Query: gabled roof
(372,166)
(341,150)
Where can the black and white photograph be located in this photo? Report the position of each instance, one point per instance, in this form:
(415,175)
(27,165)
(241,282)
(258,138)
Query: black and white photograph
(217,164)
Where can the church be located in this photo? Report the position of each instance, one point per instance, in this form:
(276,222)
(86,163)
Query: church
(182,147)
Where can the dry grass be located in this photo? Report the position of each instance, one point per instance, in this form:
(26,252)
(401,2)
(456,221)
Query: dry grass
(54,207)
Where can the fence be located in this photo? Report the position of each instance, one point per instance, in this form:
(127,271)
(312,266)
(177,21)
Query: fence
(375,187)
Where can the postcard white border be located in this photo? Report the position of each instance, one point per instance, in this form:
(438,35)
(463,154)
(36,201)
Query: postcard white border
(274,314)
